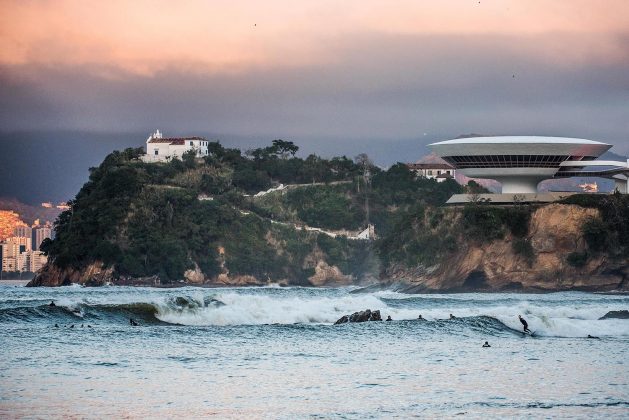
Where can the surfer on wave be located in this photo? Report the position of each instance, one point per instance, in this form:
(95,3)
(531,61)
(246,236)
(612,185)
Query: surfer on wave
(525,324)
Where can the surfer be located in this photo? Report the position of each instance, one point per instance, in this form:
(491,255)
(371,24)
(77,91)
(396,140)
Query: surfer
(132,322)
(525,324)
(420,317)
(596,338)
(389,318)
(52,303)
(486,344)
(452,316)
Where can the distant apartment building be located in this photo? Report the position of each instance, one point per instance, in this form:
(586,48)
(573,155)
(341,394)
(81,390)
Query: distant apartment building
(8,253)
(23,243)
(163,149)
(22,262)
(35,261)
(438,171)
(16,258)
(9,264)
(20,252)
(9,249)
(23,231)
(39,234)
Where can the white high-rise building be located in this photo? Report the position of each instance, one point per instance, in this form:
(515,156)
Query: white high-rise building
(23,232)
(41,233)
(24,243)
(22,261)
(9,264)
(36,261)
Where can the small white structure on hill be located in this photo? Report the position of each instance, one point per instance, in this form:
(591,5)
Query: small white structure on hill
(162,149)
(367,234)
(438,171)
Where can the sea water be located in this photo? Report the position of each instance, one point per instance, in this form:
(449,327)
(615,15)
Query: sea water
(274,353)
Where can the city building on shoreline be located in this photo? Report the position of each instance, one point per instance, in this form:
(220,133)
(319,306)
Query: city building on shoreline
(41,232)
(20,252)
(163,149)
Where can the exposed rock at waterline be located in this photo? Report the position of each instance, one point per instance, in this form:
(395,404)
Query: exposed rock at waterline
(624,314)
(94,274)
(362,316)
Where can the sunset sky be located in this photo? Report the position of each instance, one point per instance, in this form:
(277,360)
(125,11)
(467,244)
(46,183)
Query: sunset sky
(339,71)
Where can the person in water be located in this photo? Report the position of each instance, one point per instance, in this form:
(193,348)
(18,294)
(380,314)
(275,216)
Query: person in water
(452,316)
(52,303)
(389,318)
(132,322)
(420,317)
(591,336)
(525,324)
(486,344)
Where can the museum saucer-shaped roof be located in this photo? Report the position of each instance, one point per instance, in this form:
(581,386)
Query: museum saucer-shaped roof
(518,162)
(571,148)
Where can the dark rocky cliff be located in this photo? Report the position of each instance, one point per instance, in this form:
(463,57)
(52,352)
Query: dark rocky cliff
(555,236)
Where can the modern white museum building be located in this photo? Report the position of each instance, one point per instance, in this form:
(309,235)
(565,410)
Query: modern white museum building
(519,163)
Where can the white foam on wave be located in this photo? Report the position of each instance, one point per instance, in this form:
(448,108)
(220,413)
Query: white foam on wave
(569,315)
(546,318)
(246,309)
(569,320)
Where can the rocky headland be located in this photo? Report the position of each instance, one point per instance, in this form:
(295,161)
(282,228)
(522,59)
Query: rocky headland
(203,222)
(554,256)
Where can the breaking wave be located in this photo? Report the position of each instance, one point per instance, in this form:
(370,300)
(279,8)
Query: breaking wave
(476,313)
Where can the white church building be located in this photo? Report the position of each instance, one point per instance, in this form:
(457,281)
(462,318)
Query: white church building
(163,149)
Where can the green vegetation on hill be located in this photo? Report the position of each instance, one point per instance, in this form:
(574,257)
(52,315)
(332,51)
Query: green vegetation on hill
(146,219)
(162,219)
(608,233)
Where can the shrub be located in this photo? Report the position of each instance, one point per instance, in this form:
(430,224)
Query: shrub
(595,234)
(577,259)
(517,220)
(483,223)
(523,247)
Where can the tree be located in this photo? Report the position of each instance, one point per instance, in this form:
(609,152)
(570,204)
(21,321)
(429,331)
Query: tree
(188,159)
(284,148)
(474,187)
(315,168)
(365,163)
(595,233)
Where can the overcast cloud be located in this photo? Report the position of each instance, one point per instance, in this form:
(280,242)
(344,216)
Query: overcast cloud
(379,86)
(362,76)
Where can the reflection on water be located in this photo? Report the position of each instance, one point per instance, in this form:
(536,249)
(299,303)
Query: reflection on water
(228,362)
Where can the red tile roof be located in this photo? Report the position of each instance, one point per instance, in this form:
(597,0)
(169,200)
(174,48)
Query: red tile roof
(175,140)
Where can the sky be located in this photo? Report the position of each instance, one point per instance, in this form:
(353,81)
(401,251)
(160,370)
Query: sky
(332,76)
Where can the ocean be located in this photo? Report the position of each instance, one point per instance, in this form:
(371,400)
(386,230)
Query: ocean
(274,352)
